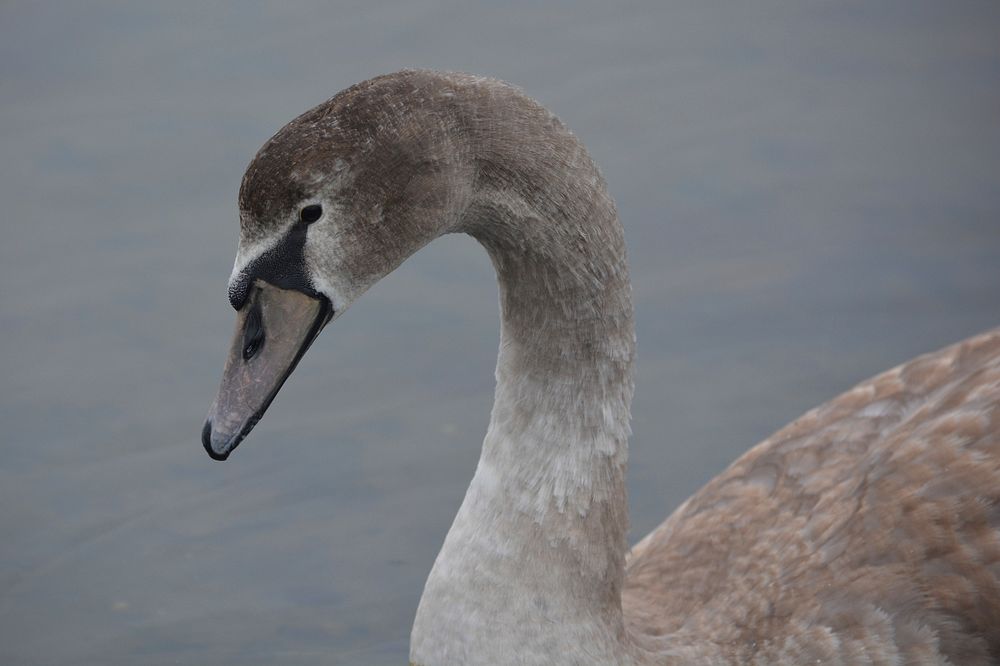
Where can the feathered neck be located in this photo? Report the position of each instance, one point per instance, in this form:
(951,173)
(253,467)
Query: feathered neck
(534,563)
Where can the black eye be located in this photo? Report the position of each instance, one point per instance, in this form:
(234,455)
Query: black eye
(310,214)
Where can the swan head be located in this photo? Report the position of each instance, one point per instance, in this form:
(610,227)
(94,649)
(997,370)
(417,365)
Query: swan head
(333,202)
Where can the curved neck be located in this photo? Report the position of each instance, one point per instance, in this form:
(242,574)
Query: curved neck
(534,562)
(560,423)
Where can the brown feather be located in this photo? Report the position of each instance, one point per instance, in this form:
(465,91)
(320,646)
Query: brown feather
(866,531)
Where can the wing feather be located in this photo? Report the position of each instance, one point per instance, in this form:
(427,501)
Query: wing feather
(866,531)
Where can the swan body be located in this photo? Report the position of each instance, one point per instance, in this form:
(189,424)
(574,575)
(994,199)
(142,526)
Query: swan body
(865,532)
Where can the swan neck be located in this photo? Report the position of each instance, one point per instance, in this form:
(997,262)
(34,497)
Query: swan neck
(534,561)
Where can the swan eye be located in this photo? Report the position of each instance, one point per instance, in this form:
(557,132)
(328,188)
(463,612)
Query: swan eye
(310,214)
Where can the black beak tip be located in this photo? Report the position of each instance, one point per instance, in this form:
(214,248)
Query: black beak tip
(206,441)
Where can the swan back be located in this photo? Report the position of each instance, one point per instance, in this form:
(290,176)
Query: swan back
(866,531)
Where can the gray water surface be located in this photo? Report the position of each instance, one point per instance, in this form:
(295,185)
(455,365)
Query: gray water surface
(811,194)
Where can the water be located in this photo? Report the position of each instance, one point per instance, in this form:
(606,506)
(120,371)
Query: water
(811,194)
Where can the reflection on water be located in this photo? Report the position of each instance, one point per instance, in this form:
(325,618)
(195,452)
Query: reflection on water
(810,196)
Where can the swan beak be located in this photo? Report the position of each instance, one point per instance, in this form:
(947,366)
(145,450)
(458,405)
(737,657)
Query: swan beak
(274,328)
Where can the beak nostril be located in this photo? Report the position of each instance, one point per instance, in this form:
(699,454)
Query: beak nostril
(251,349)
(253,333)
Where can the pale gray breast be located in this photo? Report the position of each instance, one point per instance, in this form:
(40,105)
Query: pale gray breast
(868,529)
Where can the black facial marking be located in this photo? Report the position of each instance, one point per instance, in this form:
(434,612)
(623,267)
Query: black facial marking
(283,266)
(310,214)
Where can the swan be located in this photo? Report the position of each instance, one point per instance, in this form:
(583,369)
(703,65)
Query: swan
(865,532)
